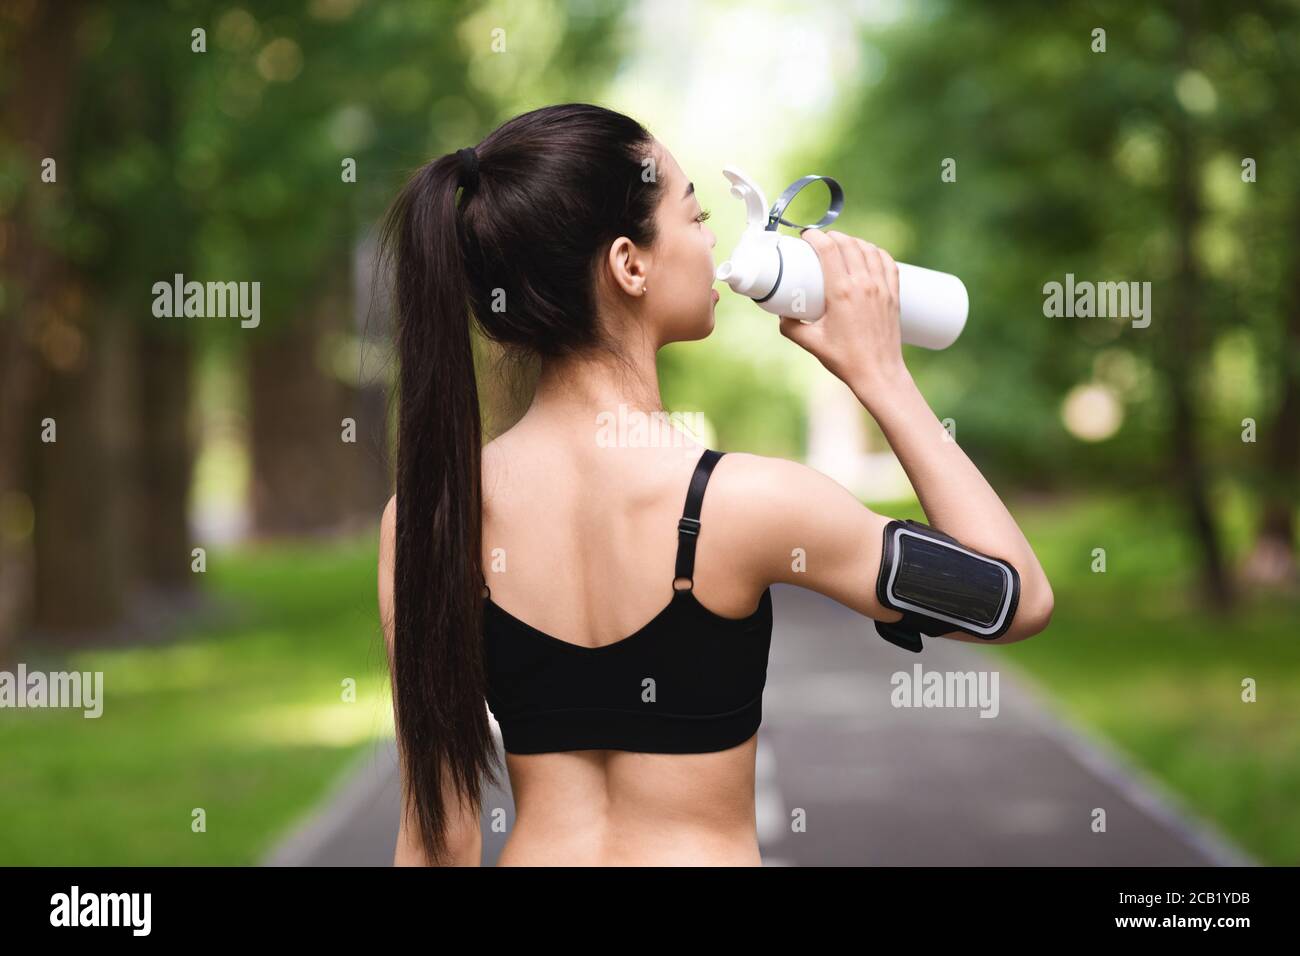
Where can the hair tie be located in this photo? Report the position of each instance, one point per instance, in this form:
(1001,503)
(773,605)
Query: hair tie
(468,167)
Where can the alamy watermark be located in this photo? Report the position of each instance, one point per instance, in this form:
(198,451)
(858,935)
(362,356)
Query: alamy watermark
(946,689)
(1118,300)
(633,428)
(213,300)
(75,908)
(62,689)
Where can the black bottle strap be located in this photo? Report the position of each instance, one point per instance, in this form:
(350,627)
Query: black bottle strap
(688,528)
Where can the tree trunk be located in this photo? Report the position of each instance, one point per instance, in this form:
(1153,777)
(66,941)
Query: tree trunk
(166,456)
(1272,560)
(303,472)
(33,114)
(83,545)
(1183,339)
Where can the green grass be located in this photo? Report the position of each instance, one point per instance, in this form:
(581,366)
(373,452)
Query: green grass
(247,722)
(1132,655)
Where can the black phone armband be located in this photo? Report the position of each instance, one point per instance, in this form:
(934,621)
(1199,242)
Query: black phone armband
(941,586)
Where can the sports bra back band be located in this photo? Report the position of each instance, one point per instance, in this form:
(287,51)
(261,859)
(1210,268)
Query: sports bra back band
(687,681)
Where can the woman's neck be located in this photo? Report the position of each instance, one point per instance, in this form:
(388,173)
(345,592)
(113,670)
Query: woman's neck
(574,391)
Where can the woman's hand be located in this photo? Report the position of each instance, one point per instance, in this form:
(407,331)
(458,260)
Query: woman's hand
(858,338)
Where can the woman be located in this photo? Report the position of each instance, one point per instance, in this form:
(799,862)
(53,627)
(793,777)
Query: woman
(534,572)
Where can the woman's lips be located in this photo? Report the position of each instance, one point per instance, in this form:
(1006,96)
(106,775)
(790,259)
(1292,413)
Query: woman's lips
(715,295)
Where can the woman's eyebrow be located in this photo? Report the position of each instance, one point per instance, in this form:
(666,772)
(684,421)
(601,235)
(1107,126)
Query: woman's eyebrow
(689,189)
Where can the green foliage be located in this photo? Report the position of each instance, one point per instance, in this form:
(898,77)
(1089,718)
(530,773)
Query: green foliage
(1065,163)
(242,717)
(1132,656)
(228,163)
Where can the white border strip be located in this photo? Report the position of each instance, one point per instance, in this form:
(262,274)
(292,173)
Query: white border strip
(908,605)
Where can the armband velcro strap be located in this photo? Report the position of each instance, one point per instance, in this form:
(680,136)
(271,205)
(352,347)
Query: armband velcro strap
(941,586)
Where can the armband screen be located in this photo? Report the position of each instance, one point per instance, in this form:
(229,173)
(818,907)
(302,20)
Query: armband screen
(962,590)
(941,585)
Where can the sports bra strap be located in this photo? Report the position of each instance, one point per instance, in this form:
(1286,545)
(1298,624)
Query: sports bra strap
(688,528)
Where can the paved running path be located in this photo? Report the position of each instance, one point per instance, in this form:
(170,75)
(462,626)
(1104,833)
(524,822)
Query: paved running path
(875,784)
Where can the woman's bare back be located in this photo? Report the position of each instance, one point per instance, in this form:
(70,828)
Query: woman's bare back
(579,542)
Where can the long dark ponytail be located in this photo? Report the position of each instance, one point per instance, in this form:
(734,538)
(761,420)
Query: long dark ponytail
(518,256)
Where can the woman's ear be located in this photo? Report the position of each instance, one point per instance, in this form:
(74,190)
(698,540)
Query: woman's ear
(627,266)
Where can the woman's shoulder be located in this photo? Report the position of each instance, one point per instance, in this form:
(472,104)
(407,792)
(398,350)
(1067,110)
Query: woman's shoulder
(760,499)
(766,481)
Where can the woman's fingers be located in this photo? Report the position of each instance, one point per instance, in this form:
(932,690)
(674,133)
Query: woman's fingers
(854,260)
(801,333)
(858,337)
(875,266)
(882,269)
(834,267)
(891,270)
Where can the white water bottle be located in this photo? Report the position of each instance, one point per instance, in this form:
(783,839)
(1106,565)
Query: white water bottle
(783,273)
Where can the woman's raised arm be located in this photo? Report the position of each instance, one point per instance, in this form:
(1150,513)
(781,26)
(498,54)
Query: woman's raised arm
(794,506)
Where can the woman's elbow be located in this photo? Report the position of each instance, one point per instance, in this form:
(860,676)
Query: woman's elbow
(1033,611)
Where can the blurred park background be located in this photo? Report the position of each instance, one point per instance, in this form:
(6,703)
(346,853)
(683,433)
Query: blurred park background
(1009,143)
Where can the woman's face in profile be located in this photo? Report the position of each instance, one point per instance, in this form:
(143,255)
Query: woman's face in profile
(680,298)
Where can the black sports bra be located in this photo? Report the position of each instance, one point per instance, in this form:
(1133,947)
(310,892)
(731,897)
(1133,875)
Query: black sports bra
(687,681)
